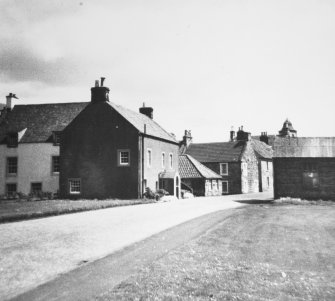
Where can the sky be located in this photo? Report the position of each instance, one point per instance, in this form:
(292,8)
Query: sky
(203,65)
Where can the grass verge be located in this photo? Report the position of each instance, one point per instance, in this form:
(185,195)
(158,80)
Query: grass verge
(11,211)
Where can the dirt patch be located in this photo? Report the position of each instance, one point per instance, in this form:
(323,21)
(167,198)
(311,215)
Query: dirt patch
(279,252)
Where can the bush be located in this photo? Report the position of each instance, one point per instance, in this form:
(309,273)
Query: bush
(149,194)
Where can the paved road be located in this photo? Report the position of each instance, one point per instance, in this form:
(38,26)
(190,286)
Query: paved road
(34,252)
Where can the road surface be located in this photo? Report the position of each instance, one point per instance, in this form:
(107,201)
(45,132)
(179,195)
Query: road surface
(37,251)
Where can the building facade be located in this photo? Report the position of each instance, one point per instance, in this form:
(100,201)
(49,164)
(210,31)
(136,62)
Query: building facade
(304,167)
(108,151)
(29,146)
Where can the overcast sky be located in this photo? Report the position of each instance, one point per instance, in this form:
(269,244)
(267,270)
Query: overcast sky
(202,65)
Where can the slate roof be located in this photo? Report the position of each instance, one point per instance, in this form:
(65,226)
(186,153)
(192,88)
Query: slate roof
(191,168)
(262,149)
(216,151)
(40,120)
(303,147)
(139,121)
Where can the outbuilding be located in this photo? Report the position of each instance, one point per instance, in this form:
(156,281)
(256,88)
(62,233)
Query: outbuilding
(198,178)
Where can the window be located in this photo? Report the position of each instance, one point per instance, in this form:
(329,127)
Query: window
(55,164)
(223,169)
(224,186)
(36,188)
(11,166)
(267,165)
(163,160)
(149,157)
(310,176)
(12,140)
(74,186)
(171,160)
(123,157)
(56,138)
(11,189)
(214,185)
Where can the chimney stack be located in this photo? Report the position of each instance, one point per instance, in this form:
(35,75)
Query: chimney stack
(264,137)
(242,135)
(99,93)
(9,100)
(148,111)
(187,138)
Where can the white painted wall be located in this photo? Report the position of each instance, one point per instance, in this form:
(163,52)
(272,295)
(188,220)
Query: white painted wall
(34,165)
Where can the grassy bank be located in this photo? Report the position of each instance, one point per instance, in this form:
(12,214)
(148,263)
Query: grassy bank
(11,211)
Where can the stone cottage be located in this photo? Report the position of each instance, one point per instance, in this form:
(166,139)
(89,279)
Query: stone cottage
(245,164)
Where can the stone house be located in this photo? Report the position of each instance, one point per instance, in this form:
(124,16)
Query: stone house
(108,151)
(201,180)
(304,167)
(29,145)
(245,164)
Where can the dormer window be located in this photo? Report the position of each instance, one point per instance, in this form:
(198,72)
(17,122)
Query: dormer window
(12,140)
(56,138)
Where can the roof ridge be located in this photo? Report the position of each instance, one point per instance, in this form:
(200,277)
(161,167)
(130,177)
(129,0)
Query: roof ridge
(144,116)
(214,142)
(50,103)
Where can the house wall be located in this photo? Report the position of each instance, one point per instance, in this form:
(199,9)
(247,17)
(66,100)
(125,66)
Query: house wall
(157,147)
(89,151)
(204,187)
(34,165)
(249,170)
(288,178)
(233,177)
(265,175)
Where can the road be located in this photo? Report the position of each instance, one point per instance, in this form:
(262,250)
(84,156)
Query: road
(37,251)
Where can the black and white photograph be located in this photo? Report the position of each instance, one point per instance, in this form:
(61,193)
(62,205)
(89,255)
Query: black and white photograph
(167,150)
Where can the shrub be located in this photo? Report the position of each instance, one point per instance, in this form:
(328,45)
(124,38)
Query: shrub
(149,194)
